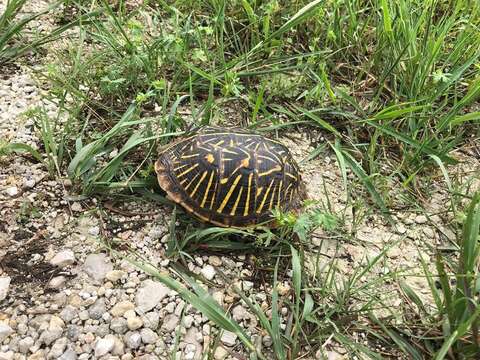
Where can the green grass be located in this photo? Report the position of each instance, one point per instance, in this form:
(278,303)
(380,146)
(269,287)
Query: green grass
(392,86)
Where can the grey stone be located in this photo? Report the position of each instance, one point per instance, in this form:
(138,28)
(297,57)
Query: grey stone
(68,313)
(76,207)
(57,282)
(4,286)
(102,330)
(49,336)
(97,309)
(132,339)
(5,331)
(188,321)
(63,258)
(220,353)
(119,325)
(267,341)
(69,354)
(57,348)
(429,232)
(54,331)
(148,336)
(73,331)
(97,266)
(239,313)
(151,320)
(12,191)
(214,261)
(7,355)
(228,338)
(25,344)
(119,347)
(421,219)
(208,271)
(104,346)
(83,315)
(150,294)
(170,322)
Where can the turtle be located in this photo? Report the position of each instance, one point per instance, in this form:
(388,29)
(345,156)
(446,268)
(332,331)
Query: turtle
(230,177)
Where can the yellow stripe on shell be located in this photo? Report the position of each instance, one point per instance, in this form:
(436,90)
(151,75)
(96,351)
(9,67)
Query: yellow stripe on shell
(188,170)
(259,191)
(276,168)
(207,190)
(247,202)
(265,197)
(266,158)
(290,175)
(219,143)
(229,194)
(234,209)
(229,152)
(270,203)
(191,182)
(180,167)
(204,175)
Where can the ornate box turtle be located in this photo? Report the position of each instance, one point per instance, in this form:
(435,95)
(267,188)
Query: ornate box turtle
(230,177)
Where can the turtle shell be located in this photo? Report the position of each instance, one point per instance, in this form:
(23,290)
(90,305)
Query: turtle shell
(229,177)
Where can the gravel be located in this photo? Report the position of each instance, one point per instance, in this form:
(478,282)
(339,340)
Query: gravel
(170,323)
(148,336)
(57,282)
(150,295)
(4,286)
(121,308)
(63,258)
(119,325)
(228,338)
(11,191)
(25,344)
(5,331)
(97,266)
(105,345)
(97,310)
(134,323)
(208,271)
(133,339)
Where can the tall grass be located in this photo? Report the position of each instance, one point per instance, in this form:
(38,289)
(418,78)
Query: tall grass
(407,78)
(460,306)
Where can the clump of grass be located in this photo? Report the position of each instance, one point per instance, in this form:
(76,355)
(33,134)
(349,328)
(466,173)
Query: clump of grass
(449,327)
(459,306)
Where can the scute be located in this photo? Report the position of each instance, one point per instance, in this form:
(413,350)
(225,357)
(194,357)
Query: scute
(229,177)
